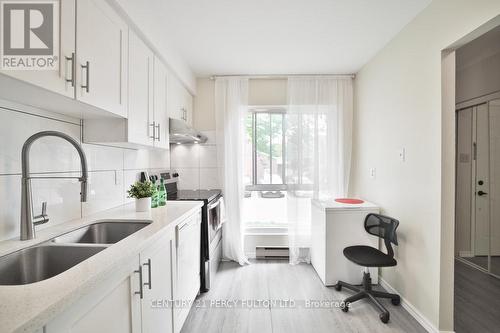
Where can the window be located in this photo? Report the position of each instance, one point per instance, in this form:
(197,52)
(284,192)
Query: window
(265,149)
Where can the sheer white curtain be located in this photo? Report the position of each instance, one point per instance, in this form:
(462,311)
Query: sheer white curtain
(318,151)
(231,104)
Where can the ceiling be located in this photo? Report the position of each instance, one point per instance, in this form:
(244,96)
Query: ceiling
(277,36)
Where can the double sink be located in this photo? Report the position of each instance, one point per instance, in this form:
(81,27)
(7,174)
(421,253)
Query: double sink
(62,252)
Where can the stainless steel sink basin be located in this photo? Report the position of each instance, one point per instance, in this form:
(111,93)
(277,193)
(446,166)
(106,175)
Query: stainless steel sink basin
(101,233)
(42,262)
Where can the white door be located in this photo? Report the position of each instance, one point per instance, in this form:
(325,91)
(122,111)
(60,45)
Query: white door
(160,105)
(101,43)
(62,80)
(494,181)
(157,269)
(140,108)
(482,199)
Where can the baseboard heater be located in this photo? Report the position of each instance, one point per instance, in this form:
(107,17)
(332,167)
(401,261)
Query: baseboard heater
(272,252)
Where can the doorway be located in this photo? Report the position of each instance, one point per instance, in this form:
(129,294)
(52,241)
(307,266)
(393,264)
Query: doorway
(478,187)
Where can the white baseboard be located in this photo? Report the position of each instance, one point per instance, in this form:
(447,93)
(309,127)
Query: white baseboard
(465,254)
(422,320)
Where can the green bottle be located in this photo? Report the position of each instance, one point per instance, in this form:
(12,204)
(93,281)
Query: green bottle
(154,199)
(162,194)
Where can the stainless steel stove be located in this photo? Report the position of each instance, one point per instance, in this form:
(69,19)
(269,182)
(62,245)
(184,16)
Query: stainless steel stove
(211,226)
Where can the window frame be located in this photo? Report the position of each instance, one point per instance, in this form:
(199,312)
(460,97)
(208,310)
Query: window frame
(271,110)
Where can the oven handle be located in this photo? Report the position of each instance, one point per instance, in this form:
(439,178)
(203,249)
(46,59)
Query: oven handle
(214,205)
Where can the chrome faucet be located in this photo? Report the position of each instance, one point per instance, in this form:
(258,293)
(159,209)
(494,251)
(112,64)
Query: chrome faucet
(28,221)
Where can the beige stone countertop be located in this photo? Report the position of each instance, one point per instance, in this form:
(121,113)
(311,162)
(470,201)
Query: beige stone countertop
(27,308)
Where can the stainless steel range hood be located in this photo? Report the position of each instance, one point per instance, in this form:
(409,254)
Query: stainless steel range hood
(180,132)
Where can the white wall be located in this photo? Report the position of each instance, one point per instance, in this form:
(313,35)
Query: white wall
(111,170)
(398,105)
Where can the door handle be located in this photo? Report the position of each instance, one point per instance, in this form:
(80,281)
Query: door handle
(87,76)
(153,124)
(481,193)
(140,292)
(158,130)
(73,69)
(149,273)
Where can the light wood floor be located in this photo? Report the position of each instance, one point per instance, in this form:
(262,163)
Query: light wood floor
(273,280)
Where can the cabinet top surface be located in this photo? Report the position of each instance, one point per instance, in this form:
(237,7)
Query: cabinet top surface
(331,204)
(26,308)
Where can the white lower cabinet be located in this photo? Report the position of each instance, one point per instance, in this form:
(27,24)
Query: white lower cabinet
(158,266)
(148,294)
(188,267)
(112,307)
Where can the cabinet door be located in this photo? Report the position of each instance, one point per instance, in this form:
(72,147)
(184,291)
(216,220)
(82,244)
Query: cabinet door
(157,268)
(113,306)
(140,110)
(174,98)
(101,42)
(188,107)
(160,105)
(188,265)
(56,80)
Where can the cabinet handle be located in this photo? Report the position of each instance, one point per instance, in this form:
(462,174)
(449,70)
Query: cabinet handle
(153,124)
(139,271)
(73,69)
(158,129)
(87,77)
(149,273)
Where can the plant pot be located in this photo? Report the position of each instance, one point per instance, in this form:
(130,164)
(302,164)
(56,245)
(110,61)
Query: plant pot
(143,205)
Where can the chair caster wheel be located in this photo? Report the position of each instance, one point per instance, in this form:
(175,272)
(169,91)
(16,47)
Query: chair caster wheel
(344,307)
(384,317)
(338,287)
(396,301)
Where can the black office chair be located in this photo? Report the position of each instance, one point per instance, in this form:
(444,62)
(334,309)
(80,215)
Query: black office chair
(385,228)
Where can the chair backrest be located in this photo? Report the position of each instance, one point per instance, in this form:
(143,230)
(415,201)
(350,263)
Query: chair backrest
(383,227)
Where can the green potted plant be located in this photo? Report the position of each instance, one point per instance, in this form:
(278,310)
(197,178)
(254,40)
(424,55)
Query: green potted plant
(142,193)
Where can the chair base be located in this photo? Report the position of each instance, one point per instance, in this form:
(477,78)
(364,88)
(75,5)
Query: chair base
(366,291)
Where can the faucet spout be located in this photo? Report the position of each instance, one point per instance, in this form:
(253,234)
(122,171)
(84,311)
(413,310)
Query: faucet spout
(27,225)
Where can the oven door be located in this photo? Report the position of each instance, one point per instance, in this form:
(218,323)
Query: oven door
(214,221)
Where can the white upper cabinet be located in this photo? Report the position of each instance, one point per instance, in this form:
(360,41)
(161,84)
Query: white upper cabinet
(60,81)
(180,105)
(101,66)
(141,126)
(161,125)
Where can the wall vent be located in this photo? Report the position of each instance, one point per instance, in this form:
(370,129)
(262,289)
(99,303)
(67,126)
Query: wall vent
(272,252)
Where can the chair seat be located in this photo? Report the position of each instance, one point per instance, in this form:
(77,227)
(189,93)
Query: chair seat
(368,256)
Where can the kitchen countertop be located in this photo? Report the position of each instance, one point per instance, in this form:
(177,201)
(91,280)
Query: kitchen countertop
(26,308)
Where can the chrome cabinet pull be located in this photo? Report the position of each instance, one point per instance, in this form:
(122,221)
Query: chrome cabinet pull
(158,129)
(153,124)
(73,69)
(140,292)
(149,273)
(87,77)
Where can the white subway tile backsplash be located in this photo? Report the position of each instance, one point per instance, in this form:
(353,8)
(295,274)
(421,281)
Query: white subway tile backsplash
(47,154)
(185,156)
(135,159)
(105,190)
(207,156)
(101,158)
(189,178)
(209,178)
(112,170)
(159,159)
